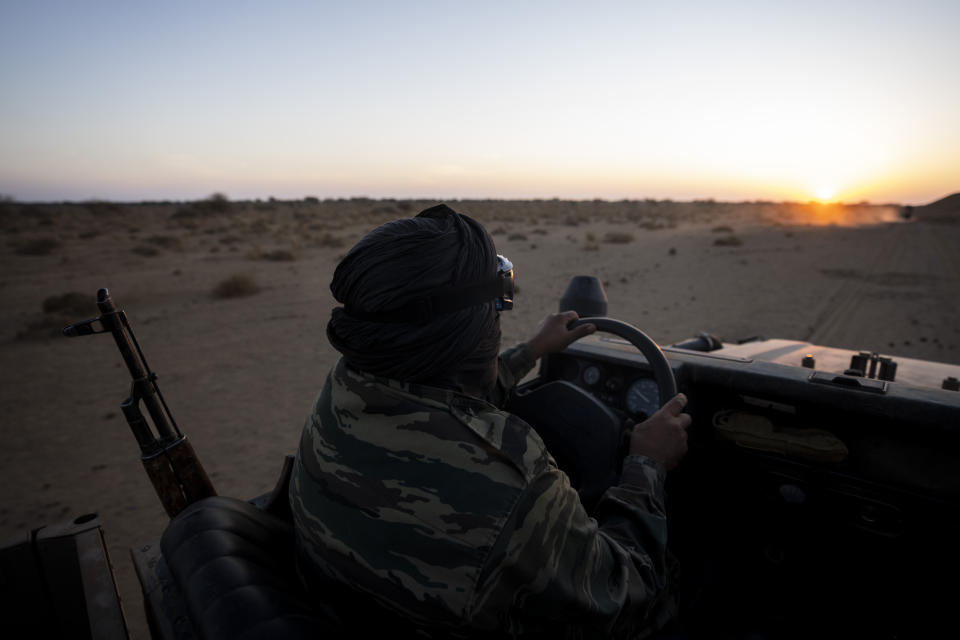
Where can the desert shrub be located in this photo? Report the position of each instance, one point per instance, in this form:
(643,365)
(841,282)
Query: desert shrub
(145,250)
(72,303)
(236,286)
(101,207)
(329,240)
(499,231)
(728,241)
(653,225)
(38,247)
(88,234)
(167,242)
(278,255)
(590,237)
(539,232)
(230,240)
(618,237)
(590,246)
(722,229)
(311,200)
(216,202)
(516,236)
(58,311)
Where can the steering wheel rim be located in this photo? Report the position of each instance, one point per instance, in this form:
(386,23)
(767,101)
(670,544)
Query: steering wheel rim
(662,372)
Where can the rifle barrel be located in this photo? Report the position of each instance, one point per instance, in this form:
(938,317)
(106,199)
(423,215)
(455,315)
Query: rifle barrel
(114,320)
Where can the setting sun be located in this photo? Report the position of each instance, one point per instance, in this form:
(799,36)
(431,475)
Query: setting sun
(825,194)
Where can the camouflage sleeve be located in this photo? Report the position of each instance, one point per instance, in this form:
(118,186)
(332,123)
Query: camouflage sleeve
(560,571)
(513,364)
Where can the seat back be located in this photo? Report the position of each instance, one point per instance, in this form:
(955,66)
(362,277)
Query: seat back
(234,565)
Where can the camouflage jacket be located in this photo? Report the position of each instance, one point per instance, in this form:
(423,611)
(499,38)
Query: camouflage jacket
(450,513)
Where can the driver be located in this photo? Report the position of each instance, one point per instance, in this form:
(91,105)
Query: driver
(419,504)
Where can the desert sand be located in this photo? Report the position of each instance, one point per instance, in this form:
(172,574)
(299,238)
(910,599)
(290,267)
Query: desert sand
(240,366)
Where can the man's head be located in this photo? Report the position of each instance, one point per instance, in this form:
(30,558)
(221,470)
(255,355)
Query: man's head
(419,301)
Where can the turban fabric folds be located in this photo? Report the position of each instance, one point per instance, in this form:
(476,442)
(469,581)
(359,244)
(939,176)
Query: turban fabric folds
(403,261)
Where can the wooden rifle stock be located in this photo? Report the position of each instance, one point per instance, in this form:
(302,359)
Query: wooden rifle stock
(168,458)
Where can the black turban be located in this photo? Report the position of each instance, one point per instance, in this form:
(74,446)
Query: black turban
(393,267)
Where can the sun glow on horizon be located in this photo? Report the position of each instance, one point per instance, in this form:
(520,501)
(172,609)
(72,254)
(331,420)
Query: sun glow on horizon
(825,194)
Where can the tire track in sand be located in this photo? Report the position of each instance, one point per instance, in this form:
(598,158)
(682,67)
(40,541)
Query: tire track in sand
(845,313)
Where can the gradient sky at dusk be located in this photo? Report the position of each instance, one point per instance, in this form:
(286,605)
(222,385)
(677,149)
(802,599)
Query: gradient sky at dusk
(731,100)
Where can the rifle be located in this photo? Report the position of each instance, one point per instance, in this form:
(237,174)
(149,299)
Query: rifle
(168,458)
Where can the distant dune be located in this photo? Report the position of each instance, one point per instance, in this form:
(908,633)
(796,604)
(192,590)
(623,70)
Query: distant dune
(943,210)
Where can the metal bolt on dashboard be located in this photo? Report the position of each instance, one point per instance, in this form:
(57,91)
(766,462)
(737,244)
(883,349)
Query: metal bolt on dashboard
(809,361)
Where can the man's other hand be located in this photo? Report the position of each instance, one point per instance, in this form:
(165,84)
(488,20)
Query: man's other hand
(663,436)
(553,334)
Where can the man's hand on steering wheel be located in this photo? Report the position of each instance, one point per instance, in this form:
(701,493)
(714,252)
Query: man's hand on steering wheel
(663,436)
(553,335)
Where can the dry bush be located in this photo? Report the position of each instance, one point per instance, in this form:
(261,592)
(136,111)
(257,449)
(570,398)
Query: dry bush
(167,242)
(72,303)
(230,240)
(278,255)
(236,286)
(653,225)
(728,241)
(499,231)
(216,202)
(88,234)
(145,250)
(618,237)
(101,207)
(540,232)
(38,247)
(58,311)
(328,240)
(590,246)
(516,236)
(722,229)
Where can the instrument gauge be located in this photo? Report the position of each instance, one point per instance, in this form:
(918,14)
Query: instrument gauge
(591,375)
(643,396)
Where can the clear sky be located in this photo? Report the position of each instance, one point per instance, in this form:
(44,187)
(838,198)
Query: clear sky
(132,100)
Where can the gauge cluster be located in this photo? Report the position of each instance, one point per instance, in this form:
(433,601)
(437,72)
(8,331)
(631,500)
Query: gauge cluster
(624,389)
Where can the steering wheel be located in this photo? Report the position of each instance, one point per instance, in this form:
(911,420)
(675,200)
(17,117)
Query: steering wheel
(662,372)
(582,434)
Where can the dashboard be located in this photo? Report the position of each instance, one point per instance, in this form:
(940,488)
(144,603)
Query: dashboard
(630,391)
(801,531)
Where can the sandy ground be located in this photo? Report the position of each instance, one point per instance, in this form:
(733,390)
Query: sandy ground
(241,373)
